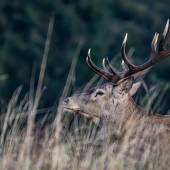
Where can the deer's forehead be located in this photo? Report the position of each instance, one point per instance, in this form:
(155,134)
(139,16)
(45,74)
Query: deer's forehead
(105,87)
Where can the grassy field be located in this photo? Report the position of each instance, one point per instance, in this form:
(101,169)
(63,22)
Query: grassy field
(63,141)
(66,142)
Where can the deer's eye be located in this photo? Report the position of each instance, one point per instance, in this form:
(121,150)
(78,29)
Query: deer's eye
(99,93)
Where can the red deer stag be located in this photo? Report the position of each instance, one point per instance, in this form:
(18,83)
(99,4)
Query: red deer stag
(113,105)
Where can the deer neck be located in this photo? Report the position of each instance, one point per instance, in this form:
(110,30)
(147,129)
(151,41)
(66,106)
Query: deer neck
(123,111)
(129,108)
(115,122)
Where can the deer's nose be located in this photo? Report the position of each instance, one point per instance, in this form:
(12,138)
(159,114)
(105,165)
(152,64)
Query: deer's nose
(65,101)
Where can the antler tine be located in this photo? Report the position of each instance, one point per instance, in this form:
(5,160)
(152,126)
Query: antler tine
(103,63)
(110,66)
(154,45)
(128,63)
(123,66)
(87,61)
(94,68)
(156,41)
(167,44)
(161,43)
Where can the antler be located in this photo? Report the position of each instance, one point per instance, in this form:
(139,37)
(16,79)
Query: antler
(134,71)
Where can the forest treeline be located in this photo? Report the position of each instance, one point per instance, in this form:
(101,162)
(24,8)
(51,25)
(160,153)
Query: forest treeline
(99,24)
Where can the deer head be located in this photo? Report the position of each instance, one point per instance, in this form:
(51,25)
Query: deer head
(114,97)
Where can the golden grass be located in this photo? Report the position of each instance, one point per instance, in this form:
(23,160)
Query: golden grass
(66,144)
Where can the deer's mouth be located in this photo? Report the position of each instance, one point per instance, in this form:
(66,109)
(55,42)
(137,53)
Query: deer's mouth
(96,119)
(77,110)
(70,110)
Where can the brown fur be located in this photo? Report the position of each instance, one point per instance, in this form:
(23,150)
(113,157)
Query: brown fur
(123,121)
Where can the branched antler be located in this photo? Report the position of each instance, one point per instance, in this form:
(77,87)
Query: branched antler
(135,71)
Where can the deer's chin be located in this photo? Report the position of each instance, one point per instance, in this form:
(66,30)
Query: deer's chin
(78,110)
(70,110)
(95,119)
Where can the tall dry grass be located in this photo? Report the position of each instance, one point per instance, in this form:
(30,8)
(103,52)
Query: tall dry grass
(69,141)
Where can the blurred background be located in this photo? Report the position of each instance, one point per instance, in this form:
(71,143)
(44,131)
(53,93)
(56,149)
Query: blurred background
(98,24)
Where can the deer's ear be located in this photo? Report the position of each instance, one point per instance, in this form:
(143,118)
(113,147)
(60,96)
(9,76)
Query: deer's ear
(126,85)
(135,88)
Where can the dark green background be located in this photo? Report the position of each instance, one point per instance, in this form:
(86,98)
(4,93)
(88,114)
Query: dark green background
(100,24)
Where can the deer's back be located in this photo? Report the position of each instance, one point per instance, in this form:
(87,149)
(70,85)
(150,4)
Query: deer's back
(142,136)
